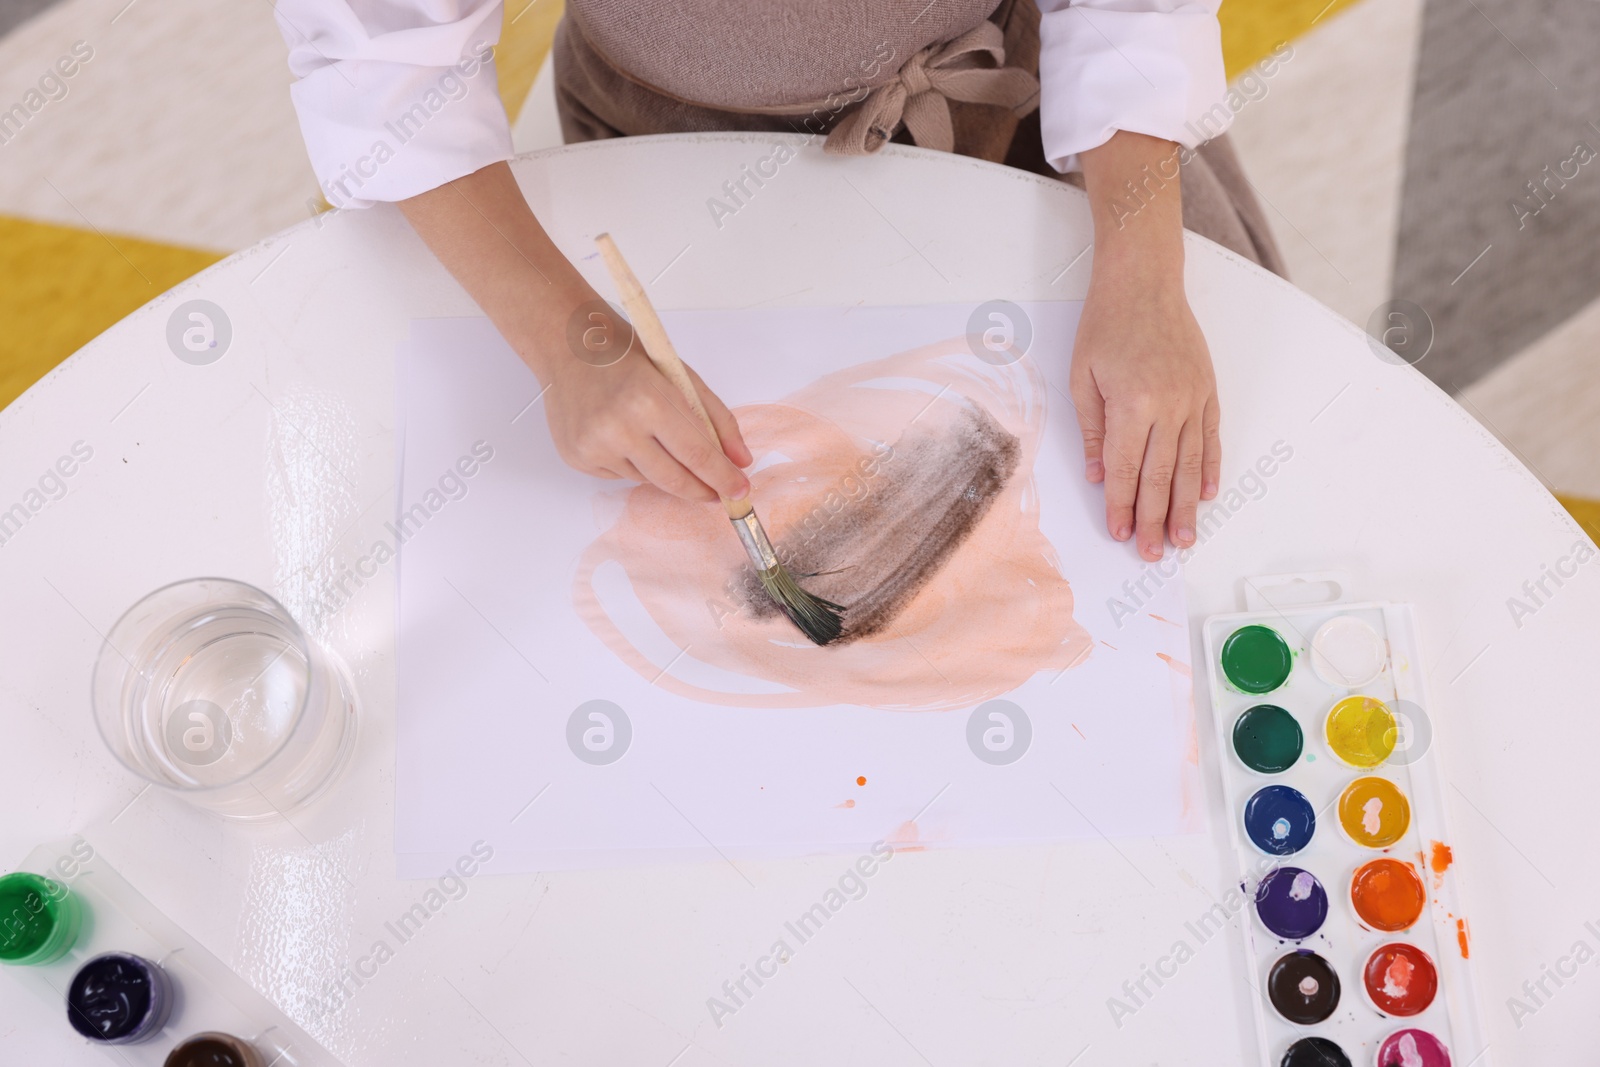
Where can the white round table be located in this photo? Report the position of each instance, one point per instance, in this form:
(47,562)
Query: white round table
(260,464)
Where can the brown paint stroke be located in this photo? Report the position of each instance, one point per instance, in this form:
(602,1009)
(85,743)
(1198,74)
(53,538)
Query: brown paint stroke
(881,547)
(905,488)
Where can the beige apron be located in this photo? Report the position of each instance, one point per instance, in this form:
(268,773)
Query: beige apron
(957,75)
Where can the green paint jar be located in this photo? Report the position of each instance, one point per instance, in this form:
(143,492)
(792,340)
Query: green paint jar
(39,919)
(1256,659)
(1267,739)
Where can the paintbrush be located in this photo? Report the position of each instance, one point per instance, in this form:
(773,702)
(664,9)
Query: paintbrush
(819,619)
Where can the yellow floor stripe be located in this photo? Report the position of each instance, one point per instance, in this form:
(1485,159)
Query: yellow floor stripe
(525,39)
(61,286)
(1252,28)
(1587,512)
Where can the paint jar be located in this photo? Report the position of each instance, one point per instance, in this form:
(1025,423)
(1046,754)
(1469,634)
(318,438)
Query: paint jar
(1412,1047)
(1279,820)
(1314,1052)
(210,689)
(1361,731)
(1267,739)
(118,998)
(1303,987)
(213,1049)
(1291,903)
(1387,894)
(1347,653)
(39,919)
(1256,659)
(1400,979)
(1374,812)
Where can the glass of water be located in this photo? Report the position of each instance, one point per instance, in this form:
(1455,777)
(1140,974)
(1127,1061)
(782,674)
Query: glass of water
(210,689)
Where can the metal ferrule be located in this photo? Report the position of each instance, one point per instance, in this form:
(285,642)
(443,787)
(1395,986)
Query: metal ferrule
(756,545)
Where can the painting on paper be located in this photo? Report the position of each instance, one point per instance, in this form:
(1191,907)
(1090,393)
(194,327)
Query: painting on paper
(932,490)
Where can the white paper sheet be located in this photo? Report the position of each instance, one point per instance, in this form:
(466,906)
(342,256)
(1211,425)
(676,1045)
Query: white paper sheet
(500,543)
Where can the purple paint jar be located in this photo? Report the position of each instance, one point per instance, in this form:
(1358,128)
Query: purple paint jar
(118,998)
(1291,903)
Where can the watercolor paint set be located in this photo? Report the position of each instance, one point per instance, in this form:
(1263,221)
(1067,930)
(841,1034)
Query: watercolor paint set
(1355,936)
(121,976)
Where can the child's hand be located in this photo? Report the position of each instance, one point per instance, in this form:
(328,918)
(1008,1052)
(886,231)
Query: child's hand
(1147,403)
(1141,373)
(627,421)
(623,420)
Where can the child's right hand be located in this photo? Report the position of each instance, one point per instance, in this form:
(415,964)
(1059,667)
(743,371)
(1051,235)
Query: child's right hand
(625,420)
(622,420)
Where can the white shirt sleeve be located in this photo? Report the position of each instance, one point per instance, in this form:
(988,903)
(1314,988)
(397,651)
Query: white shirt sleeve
(395,98)
(1146,66)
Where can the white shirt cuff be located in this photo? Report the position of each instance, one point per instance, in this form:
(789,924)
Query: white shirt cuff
(389,115)
(1153,72)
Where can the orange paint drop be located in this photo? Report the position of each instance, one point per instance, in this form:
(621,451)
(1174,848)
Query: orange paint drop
(1080,732)
(1461,937)
(862,780)
(846,804)
(1442,857)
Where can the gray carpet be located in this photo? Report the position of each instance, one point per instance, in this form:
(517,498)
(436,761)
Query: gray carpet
(14,13)
(1504,88)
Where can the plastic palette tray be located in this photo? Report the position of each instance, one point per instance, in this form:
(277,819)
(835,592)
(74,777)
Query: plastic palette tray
(207,994)
(1356,1024)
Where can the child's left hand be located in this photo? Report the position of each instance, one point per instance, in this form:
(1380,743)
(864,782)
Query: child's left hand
(1141,372)
(1147,403)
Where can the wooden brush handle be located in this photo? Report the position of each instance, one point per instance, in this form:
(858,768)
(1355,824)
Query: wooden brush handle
(658,346)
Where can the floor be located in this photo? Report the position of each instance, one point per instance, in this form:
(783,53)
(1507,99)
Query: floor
(1429,159)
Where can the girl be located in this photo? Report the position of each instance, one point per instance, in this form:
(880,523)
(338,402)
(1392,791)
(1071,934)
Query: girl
(397,102)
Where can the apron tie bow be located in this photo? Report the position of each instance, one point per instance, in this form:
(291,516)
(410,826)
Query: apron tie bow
(969,68)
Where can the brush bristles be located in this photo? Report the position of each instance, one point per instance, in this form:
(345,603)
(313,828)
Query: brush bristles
(819,619)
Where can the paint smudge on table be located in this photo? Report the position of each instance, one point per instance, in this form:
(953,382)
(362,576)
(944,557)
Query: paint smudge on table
(905,487)
(906,838)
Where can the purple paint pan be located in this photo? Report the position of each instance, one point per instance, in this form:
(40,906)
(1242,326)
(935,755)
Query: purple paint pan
(1291,903)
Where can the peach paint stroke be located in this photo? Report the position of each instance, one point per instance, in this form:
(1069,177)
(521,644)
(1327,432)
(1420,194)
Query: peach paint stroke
(996,612)
(1191,814)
